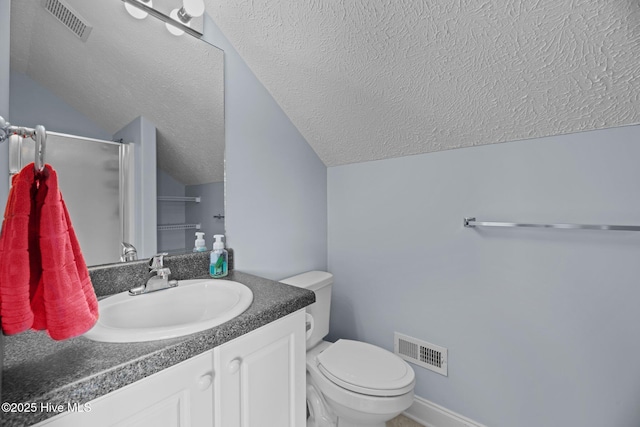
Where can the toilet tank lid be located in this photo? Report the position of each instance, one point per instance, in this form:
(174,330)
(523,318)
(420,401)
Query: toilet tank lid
(312,280)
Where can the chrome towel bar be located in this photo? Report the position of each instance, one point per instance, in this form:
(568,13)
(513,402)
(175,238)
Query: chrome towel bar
(472,222)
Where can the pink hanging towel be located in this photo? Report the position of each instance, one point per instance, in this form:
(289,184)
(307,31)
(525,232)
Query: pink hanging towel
(19,254)
(64,303)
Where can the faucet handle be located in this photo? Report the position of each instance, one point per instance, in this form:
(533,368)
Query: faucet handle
(157,261)
(164,272)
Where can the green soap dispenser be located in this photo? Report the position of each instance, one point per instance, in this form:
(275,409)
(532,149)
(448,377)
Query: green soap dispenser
(218,261)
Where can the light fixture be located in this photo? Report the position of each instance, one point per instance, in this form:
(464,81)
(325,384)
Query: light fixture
(178,21)
(190,9)
(136,12)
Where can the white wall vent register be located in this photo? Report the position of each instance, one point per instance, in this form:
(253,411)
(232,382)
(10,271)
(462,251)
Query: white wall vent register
(69,18)
(421,353)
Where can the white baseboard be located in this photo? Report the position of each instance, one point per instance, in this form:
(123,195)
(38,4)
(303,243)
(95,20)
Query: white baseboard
(432,415)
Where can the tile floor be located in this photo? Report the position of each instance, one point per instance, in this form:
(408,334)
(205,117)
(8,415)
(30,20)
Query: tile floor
(402,421)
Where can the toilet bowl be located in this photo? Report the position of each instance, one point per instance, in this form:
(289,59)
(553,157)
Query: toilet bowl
(363,398)
(349,383)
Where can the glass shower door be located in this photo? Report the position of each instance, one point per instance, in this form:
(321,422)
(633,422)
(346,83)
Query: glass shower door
(92,182)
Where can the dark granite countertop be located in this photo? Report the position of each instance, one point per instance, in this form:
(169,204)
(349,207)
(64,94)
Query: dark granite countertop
(41,370)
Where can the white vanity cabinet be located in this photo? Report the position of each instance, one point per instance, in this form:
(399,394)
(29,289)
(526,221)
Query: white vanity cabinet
(255,380)
(179,396)
(260,377)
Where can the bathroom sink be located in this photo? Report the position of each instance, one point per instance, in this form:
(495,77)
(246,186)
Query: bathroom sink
(192,306)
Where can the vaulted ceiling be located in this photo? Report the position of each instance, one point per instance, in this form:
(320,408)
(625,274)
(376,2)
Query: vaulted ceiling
(373,79)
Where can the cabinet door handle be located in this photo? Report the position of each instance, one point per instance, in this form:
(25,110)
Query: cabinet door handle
(234,365)
(204,382)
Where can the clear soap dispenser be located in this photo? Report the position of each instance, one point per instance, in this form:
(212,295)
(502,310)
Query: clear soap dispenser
(200,246)
(218,261)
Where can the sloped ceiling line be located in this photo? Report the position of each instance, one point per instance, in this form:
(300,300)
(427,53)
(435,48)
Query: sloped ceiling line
(367,80)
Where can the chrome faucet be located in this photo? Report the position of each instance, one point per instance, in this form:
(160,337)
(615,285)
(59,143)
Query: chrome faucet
(159,277)
(128,252)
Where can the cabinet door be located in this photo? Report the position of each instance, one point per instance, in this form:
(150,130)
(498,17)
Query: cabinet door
(260,377)
(180,396)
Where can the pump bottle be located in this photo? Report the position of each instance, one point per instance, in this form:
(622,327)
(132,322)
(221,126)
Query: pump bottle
(219,258)
(200,246)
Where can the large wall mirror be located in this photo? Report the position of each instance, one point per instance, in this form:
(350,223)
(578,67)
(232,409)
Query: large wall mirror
(127,68)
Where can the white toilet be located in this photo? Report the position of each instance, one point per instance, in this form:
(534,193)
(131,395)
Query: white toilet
(349,383)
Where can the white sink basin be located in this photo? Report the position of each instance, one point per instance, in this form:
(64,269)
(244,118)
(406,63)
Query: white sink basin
(192,306)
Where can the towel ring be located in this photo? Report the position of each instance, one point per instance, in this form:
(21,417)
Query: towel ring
(41,144)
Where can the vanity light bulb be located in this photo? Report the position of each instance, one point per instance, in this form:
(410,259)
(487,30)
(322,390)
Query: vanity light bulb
(137,12)
(173,29)
(193,8)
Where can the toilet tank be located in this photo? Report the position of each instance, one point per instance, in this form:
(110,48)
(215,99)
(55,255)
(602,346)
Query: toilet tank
(319,282)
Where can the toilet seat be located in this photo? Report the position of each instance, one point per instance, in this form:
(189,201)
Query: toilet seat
(366,369)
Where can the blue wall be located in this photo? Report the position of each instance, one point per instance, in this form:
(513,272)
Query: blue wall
(276,186)
(541,325)
(50,111)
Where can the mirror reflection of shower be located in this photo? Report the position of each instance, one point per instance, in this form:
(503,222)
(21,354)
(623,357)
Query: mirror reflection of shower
(100,231)
(90,81)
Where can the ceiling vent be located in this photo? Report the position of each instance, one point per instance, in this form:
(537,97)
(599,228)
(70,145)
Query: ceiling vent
(69,18)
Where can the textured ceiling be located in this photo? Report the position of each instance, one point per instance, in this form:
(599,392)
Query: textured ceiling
(128,68)
(373,79)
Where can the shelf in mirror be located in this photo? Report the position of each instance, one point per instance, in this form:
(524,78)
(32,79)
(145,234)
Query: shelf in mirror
(167,227)
(178,199)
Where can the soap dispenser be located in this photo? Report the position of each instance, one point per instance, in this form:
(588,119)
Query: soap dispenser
(200,246)
(218,261)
